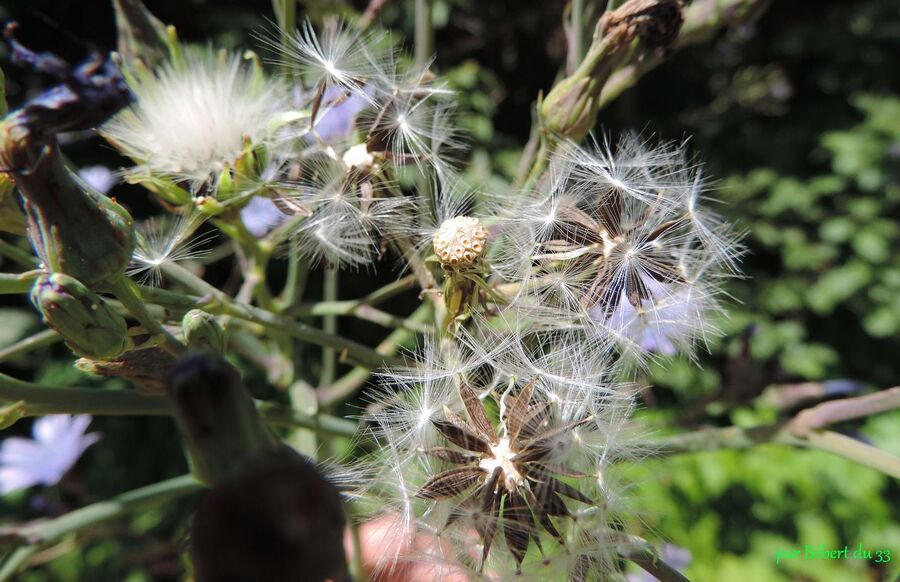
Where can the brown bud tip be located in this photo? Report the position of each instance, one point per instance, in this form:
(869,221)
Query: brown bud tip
(460,241)
(655,22)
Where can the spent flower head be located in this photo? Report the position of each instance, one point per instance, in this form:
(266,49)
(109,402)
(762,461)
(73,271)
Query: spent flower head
(617,238)
(512,473)
(192,119)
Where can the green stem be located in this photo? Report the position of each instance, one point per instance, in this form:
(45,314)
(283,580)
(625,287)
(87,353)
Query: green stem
(297,274)
(15,283)
(645,557)
(127,292)
(44,532)
(222,304)
(347,385)
(578,30)
(330,284)
(40,400)
(324,424)
(806,429)
(18,255)
(259,259)
(735,437)
(424,33)
(41,339)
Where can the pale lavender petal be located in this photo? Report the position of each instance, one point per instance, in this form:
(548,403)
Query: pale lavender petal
(100,178)
(16,449)
(261,215)
(59,441)
(15,479)
(337,122)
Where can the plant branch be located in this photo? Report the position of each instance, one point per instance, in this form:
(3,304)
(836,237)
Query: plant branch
(346,386)
(646,557)
(41,339)
(218,303)
(32,536)
(806,430)
(15,283)
(18,255)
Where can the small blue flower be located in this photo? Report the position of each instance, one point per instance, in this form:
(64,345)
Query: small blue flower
(100,178)
(337,123)
(59,441)
(261,215)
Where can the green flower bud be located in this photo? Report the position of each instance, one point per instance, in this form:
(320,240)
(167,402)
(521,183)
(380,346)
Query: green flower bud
(80,233)
(218,421)
(203,331)
(570,109)
(90,327)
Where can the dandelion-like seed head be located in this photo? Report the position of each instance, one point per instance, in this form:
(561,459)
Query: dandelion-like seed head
(501,470)
(165,239)
(460,241)
(617,237)
(192,119)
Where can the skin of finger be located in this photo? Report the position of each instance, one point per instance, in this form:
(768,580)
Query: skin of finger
(386,546)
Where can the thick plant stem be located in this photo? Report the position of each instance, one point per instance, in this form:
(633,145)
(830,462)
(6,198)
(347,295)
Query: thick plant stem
(40,400)
(37,534)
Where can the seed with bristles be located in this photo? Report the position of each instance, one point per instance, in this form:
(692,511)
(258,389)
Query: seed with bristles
(460,241)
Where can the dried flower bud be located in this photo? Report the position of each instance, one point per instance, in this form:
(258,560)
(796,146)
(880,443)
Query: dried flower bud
(147,369)
(218,421)
(202,331)
(90,327)
(460,241)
